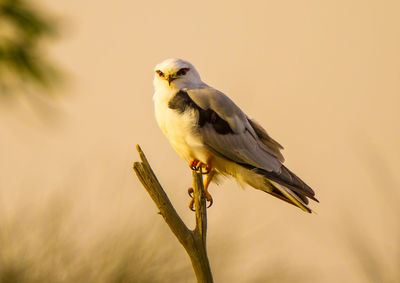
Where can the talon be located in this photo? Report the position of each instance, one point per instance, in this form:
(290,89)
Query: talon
(190,192)
(209,199)
(207,168)
(197,165)
(194,164)
(207,196)
(208,178)
(191,204)
(191,162)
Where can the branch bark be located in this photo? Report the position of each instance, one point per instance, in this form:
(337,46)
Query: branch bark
(194,241)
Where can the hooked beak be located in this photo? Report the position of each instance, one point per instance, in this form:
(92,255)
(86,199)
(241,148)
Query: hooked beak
(170,79)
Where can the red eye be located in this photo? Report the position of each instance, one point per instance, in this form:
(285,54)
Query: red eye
(160,74)
(182,71)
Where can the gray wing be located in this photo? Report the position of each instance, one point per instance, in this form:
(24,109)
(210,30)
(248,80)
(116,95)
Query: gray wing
(242,145)
(229,133)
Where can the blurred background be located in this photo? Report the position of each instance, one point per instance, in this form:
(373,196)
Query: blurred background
(76,97)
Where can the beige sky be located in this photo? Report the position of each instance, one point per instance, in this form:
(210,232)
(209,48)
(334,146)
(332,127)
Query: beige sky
(323,77)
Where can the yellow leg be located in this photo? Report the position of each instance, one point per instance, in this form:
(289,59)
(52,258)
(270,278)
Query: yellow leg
(206,183)
(208,180)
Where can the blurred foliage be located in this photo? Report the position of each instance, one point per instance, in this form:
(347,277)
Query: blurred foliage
(372,262)
(22,62)
(49,239)
(47,247)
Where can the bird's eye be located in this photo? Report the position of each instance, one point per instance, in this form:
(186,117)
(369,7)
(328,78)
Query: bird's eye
(182,71)
(160,74)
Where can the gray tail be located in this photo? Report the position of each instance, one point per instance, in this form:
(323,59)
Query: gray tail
(289,180)
(287,195)
(286,186)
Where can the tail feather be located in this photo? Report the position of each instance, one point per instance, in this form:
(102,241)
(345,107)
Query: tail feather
(274,191)
(288,195)
(303,198)
(284,185)
(289,180)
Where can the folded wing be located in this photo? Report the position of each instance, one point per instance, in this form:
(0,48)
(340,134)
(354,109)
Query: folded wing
(228,132)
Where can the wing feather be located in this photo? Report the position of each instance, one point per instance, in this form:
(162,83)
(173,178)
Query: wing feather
(241,148)
(229,133)
(269,142)
(245,144)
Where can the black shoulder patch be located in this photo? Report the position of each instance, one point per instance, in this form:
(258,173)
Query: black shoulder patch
(182,101)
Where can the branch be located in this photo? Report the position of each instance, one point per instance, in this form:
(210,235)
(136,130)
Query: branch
(194,241)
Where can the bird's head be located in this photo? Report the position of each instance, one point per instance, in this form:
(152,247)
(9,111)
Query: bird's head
(176,73)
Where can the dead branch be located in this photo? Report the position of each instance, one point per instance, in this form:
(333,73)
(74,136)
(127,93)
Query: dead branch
(194,241)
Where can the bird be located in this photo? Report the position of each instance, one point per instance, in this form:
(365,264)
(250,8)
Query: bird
(210,132)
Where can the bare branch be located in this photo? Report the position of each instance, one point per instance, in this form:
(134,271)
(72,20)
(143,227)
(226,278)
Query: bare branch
(160,198)
(194,241)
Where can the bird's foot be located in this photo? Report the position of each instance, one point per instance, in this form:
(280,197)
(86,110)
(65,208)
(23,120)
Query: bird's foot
(197,165)
(190,192)
(207,168)
(209,198)
(207,195)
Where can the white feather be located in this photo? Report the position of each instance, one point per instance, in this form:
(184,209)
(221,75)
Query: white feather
(205,144)
(179,128)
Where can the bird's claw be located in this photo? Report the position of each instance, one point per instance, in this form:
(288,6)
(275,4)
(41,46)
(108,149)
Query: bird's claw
(191,205)
(197,165)
(207,170)
(207,196)
(209,199)
(193,164)
(190,192)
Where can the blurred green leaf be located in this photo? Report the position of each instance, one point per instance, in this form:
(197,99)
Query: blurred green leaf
(22,30)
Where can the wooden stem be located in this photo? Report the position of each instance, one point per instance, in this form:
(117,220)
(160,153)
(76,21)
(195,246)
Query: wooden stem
(194,241)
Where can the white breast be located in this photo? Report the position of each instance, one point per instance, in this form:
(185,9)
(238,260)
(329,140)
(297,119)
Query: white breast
(180,129)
